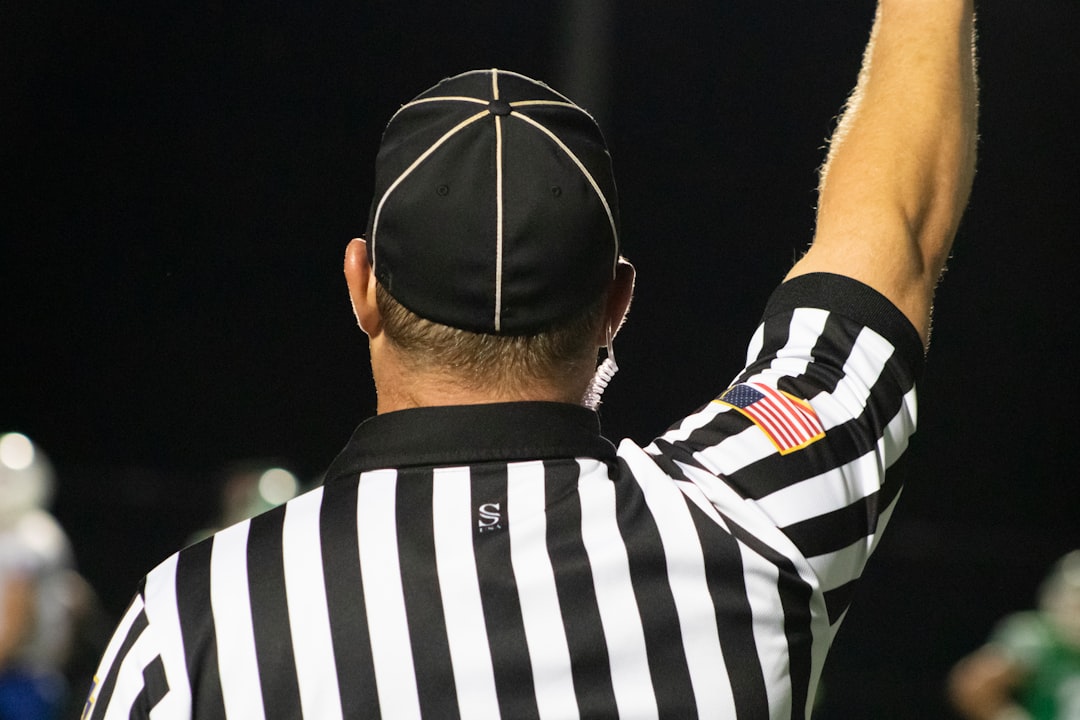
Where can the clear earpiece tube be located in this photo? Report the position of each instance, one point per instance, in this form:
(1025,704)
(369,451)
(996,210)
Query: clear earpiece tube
(603,376)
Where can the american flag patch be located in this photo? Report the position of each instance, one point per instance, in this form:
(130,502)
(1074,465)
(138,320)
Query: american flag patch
(789,423)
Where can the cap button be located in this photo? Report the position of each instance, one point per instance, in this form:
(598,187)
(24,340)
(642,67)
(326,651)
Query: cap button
(499,107)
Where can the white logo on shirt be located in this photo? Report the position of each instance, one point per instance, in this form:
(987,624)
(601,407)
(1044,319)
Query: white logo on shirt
(490,517)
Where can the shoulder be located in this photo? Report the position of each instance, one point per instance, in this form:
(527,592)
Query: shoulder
(1023,637)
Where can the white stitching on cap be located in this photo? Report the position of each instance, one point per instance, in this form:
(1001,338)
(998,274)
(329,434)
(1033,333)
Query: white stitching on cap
(440,98)
(400,178)
(586,173)
(568,104)
(498,204)
(533,81)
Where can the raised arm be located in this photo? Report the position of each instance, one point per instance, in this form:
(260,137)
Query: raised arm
(902,159)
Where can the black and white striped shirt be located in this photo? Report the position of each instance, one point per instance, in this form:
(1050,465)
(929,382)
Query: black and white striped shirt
(507,561)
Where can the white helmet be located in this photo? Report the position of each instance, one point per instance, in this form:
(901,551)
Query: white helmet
(26,478)
(1059,598)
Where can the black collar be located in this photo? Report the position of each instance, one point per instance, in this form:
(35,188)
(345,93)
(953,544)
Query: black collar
(466,434)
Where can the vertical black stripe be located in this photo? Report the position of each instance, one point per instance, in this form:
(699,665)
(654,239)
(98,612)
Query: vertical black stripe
(270,616)
(775,333)
(574,584)
(108,683)
(502,605)
(830,354)
(652,588)
(724,574)
(198,631)
(423,600)
(155,687)
(345,597)
(795,596)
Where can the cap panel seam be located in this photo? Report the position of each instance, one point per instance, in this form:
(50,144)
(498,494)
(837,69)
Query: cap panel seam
(588,176)
(499,206)
(551,103)
(408,171)
(439,98)
(510,73)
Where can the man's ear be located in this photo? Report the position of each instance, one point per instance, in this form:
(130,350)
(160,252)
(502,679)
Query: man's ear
(622,292)
(360,277)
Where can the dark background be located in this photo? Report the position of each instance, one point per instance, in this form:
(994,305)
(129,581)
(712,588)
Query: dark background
(180,181)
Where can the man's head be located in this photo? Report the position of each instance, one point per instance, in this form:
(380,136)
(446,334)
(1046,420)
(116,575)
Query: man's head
(492,249)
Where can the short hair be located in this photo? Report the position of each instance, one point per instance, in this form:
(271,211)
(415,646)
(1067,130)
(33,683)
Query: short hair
(481,360)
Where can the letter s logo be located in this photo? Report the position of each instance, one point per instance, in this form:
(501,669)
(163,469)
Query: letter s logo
(490,517)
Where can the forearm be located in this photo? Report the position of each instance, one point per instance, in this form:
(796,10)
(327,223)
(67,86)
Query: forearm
(902,159)
(909,129)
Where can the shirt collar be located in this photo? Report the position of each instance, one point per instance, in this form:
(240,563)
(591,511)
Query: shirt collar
(466,434)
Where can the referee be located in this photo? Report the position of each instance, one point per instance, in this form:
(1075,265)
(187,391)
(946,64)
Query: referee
(478,549)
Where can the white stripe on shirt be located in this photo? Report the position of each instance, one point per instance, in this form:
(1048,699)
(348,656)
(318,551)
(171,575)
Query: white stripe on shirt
(766,608)
(619,614)
(545,633)
(305,591)
(840,567)
(826,492)
(898,432)
(129,681)
(230,600)
(806,327)
(691,423)
(119,637)
(164,617)
(862,370)
(376,525)
(459,586)
(755,345)
(737,451)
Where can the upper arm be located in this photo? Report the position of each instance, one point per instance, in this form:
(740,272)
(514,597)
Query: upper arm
(879,254)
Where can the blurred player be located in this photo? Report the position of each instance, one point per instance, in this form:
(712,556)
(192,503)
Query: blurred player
(1030,668)
(36,590)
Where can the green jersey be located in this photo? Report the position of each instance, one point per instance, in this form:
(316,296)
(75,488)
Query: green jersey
(1052,687)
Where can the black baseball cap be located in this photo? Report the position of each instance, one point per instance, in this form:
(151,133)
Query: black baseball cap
(495,207)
